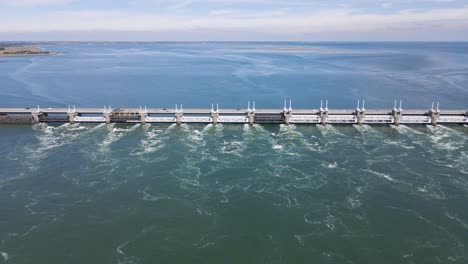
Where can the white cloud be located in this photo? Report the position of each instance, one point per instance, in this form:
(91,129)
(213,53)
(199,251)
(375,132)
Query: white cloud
(32,3)
(386,5)
(335,19)
(278,22)
(220,12)
(180,4)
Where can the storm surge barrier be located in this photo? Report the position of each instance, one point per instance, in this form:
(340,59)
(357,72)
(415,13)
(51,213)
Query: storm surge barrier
(249,115)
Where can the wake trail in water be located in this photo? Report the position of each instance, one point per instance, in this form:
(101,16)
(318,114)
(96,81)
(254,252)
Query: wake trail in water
(21,76)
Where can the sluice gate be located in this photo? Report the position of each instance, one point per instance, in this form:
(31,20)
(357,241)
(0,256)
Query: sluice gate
(248,115)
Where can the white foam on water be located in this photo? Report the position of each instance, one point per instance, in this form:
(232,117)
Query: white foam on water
(289,141)
(277,147)
(208,127)
(115,134)
(330,165)
(31,229)
(259,128)
(462,162)
(233,148)
(193,139)
(330,222)
(406,130)
(246,127)
(431,190)
(255,134)
(201,211)
(457,219)
(327,219)
(329,130)
(207,244)
(443,138)
(353,201)
(119,248)
(300,239)
(173,126)
(422,189)
(307,220)
(188,174)
(292,202)
(420,217)
(452,131)
(29,207)
(149,197)
(153,142)
(398,143)
(123,258)
(77,128)
(381,175)
(98,126)
(48,138)
(364,129)
(4,255)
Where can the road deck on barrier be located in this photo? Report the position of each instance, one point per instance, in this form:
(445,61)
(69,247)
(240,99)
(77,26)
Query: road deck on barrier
(225,111)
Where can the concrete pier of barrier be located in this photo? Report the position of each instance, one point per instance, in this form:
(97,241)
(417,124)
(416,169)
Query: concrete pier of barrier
(250,115)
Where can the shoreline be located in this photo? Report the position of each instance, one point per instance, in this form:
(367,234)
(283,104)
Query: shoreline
(28,55)
(22,51)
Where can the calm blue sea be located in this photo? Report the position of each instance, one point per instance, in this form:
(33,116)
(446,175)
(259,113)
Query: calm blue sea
(147,194)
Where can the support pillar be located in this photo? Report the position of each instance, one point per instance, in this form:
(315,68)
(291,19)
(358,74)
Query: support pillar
(287,113)
(287,117)
(214,117)
(360,113)
(434,114)
(107,115)
(251,116)
(71,116)
(179,114)
(214,114)
(36,116)
(143,115)
(251,113)
(323,116)
(396,113)
(323,113)
(179,118)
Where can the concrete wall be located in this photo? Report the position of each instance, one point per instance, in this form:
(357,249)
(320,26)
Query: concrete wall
(15,119)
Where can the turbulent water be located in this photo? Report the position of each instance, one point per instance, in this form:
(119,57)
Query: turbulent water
(118,193)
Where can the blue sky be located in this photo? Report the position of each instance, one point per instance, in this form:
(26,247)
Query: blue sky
(312,20)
